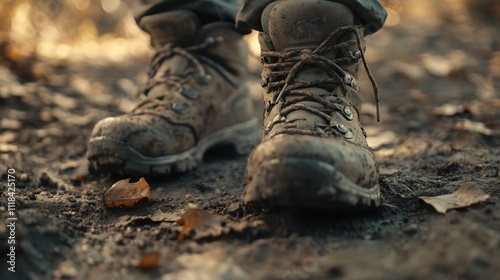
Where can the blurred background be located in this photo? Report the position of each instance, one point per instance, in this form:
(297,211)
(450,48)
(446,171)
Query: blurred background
(105,29)
(68,29)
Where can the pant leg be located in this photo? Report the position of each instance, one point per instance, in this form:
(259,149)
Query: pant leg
(248,17)
(207,10)
(370,11)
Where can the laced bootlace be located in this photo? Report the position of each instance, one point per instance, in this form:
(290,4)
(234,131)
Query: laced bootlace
(289,63)
(149,104)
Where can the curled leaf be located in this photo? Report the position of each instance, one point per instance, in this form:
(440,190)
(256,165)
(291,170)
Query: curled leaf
(149,260)
(463,197)
(475,127)
(199,223)
(126,194)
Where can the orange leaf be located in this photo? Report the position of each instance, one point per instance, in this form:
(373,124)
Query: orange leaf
(197,219)
(150,260)
(463,197)
(124,193)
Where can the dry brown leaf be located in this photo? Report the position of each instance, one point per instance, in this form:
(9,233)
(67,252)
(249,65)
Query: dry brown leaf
(196,220)
(442,66)
(126,194)
(149,260)
(157,217)
(437,65)
(380,139)
(485,88)
(463,197)
(475,127)
(448,110)
(213,263)
(484,110)
(387,171)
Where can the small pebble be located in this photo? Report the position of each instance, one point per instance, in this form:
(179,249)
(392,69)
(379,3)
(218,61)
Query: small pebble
(24,177)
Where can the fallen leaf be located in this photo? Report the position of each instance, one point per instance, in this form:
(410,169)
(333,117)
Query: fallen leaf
(8,137)
(437,65)
(242,226)
(149,260)
(418,95)
(387,171)
(484,110)
(198,223)
(463,197)
(214,263)
(160,216)
(485,88)
(475,127)
(379,140)
(412,71)
(157,217)
(124,193)
(442,66)
(448,110)
(8,148)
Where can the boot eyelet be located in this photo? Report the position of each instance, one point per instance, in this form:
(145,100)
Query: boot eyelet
(206,79)
(353,55)
(347,79)
(345,131)
(342,128)
(178,108)
(262,60)
(219,39)
(350,81)
(347,113)
(189,94)
(210,40)
(357,55)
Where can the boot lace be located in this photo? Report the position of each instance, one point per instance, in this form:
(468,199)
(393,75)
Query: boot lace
(284,66)
(150,104)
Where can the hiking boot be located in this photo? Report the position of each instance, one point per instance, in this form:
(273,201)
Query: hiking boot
(195,99)
(314,152)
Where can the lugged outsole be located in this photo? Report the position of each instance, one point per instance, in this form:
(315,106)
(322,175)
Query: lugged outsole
(309,184)
(109,155)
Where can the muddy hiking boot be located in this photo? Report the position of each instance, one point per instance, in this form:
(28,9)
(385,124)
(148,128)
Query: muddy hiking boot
(195,99)
(314,152)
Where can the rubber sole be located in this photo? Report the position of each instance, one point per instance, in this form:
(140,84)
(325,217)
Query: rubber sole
(107,155)
(309,184)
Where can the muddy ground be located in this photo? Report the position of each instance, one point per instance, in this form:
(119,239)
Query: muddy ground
(440,130)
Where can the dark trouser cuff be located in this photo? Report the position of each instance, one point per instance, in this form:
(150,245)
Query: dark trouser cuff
(371,12)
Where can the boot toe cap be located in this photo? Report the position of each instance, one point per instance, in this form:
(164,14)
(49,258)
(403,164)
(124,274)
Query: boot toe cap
(354,161)
(151,136)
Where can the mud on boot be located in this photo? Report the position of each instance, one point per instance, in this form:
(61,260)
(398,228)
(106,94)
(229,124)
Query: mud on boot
(195,99)
(314,152)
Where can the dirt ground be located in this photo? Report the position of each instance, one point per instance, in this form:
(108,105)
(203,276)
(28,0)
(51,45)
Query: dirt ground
(440,89)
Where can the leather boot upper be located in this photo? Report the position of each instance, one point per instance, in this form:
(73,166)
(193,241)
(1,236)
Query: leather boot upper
(195,86)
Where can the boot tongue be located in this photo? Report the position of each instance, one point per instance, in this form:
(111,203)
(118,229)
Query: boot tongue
(179,28)
(303,24)
(176,27)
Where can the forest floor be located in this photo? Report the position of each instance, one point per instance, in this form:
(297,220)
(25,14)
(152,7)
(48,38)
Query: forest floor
(440,131)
